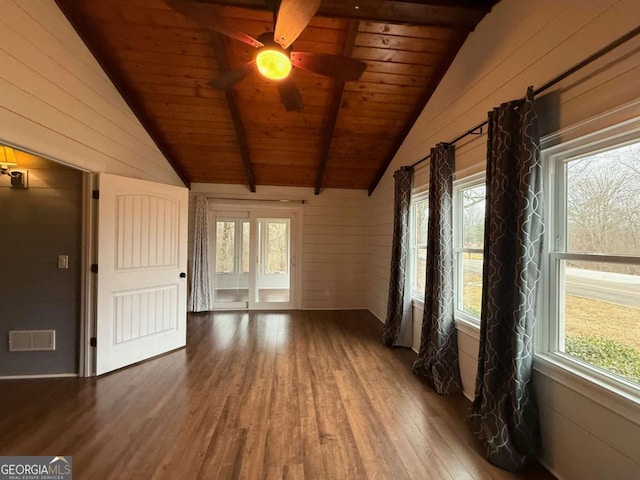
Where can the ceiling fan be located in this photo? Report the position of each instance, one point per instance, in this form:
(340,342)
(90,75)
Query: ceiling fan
(274,58)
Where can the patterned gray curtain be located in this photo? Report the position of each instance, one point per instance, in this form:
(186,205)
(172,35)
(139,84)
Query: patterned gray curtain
(398,330)
(438,355)
(505,412)
(200,299)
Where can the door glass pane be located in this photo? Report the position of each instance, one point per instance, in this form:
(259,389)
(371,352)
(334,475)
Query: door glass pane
(277,247)
(246,232)
(273,278)
(602,315)
(231,281)
(225,243)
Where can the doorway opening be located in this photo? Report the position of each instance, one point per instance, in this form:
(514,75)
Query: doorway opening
(43,227)
(253,257)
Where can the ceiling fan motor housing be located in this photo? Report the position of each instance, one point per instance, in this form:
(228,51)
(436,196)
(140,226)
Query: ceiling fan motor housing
(273,61)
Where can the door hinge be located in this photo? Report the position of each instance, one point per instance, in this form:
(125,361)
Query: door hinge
(93,341)
(94,268)
(95,194)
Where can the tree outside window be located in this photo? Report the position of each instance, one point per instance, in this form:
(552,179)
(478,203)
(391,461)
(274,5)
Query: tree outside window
(470,203)
(598,260)
(419,245)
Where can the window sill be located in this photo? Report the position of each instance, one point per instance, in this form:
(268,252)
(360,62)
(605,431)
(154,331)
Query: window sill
(468,327)
(617,398)
(418,303)
(623,401)
(465,325)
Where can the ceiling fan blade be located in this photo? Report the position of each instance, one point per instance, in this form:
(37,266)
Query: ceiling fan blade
(293,17)
(290,95)
(341,68)
(205,16)
(229,78)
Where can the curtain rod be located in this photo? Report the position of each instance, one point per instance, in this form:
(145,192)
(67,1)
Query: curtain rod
(257,200)
(603,51)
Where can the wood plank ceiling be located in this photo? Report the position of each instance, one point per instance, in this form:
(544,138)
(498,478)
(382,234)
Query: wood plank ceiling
(347,132)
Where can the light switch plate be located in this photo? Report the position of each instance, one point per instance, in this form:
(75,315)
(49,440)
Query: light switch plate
(63,261)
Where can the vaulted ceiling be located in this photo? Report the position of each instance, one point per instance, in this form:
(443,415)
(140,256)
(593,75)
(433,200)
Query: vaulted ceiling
(347,131)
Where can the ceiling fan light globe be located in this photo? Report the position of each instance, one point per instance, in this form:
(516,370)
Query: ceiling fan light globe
(273,64)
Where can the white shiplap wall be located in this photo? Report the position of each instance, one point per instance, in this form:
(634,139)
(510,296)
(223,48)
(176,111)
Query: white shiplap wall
(380,213)
(380,228)
(334,241)
(55,99)
(520,44)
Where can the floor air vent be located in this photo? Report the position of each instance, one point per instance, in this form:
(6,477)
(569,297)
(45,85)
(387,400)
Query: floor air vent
(32,340)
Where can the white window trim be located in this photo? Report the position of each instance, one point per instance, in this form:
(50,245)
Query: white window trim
(419,196)
(610,391)
(464,319)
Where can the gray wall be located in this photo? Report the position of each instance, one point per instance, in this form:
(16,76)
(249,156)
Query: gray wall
(36,226)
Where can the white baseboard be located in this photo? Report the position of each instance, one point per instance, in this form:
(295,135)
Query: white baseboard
(334,308)
(379,319)
(28,377)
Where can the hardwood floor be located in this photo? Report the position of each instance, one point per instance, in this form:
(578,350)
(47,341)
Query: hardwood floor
(254,395)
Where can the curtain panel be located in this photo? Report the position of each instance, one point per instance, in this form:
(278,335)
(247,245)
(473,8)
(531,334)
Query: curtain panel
(398,330)
(438,355)
(200,299)
(505,412)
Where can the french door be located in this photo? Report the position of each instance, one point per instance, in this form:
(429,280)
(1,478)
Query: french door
(253,258)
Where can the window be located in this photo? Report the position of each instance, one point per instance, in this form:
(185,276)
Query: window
(594,258)
(419,225)
(469,211)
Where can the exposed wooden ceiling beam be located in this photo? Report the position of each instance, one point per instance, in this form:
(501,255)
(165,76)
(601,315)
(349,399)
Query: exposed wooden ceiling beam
(100,51)
(241,137)
(433,13)
(435,80)
(334,109)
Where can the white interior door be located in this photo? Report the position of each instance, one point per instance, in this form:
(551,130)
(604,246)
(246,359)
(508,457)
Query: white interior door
(142,260)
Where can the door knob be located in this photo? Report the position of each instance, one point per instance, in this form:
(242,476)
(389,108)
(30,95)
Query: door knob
(183,275)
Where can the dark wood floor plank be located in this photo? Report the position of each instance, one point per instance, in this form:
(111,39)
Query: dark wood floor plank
(261,395)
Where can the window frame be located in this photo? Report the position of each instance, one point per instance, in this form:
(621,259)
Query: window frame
(421,196)
(608,389)
(459,186)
